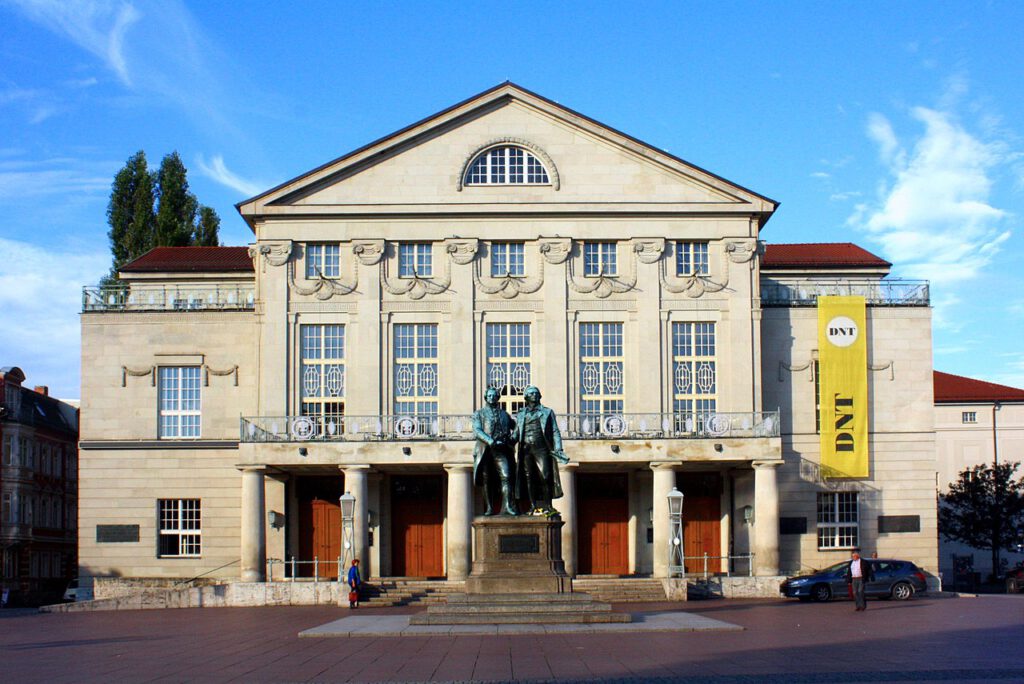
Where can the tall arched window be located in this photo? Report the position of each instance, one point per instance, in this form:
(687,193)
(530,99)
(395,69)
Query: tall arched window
(507,165)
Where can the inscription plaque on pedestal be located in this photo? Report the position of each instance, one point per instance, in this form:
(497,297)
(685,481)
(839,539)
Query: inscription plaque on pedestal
(518,543)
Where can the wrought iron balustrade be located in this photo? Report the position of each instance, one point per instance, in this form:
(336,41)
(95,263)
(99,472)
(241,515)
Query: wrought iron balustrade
(344,428)
(145,297)
(885,292)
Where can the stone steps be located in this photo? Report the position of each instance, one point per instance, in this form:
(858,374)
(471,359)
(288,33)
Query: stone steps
(399,592)
(518,609)
(621,589)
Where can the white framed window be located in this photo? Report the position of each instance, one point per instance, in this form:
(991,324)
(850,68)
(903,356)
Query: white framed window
(694,374)
(180,528)
(838,520)
(415,381)
(507,165)
(323,260)
(602,365)
(969,417)
(599,259)
(508,362)
(691,258)
(508,259)
(180,402)
(323,370)
(414,259)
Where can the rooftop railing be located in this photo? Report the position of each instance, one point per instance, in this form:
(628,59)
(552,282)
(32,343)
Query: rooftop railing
(338,428)
(212,297)
(885,292)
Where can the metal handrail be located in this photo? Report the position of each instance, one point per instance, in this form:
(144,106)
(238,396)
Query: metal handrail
(459,427)
(152,297)
(728,565)
(293,564)
(879,292)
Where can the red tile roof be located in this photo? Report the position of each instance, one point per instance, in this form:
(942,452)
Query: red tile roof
(956,389)
(191,260)
(820,255)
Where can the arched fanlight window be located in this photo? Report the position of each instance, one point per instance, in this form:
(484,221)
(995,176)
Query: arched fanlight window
(507,165)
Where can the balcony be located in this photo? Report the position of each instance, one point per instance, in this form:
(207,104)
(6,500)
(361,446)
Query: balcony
(460,427)
(887,292)
(212,297)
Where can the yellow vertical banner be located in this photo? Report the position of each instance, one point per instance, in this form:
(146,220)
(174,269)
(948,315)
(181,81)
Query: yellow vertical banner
(843,386)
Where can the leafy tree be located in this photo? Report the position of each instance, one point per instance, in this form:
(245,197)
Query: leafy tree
(176,213)
(206,233)
(984,508)
(130,211)
(137,227)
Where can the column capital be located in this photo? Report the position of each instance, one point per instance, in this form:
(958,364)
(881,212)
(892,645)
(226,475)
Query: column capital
(251,468)
(458,467)
(354,467)
(663,465)
(571,465)
(767,464)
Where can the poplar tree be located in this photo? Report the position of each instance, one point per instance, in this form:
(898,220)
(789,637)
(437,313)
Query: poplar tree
(206,233)
(176,212)
(130,211)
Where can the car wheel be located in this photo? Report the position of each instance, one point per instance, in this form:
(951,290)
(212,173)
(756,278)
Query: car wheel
(821,592)
(902,591)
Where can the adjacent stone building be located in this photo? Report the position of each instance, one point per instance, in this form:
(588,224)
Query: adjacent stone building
(976,423)
(38,492)
(232,395)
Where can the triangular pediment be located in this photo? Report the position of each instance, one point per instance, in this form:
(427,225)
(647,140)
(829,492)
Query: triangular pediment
(421,168)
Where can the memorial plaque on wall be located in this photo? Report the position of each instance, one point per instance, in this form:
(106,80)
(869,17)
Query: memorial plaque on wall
(519,543)
(110,534)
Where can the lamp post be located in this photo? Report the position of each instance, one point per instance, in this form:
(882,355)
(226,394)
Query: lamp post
(348,536)
(675,534)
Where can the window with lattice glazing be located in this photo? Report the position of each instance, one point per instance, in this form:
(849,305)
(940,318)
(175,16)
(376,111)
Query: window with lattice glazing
(415,347)
(694,375)
(323,260)
(180,528)
(838,518)
(322,352)
(599,259)
(601,369)
(414,259)
(691,258)
(180,404)
(506,165)
(508,259)
(508,362)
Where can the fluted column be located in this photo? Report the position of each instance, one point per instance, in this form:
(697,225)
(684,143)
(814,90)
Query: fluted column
(766,518)
(460,519)
(664,481)
(566,507)
(253,532)
(355,484)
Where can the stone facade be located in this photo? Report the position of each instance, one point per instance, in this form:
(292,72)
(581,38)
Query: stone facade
(640,288)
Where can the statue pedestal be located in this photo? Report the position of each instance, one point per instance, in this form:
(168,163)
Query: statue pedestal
(518,555)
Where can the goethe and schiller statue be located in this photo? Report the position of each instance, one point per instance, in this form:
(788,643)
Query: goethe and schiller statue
(534,474)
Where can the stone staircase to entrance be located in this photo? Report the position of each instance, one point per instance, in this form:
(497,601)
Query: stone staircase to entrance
(620,589)
(390,591)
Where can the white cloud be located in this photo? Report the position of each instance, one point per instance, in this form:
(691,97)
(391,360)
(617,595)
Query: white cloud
(59,176)
(98,27)
(821,174)
(933,217)
(219,172)
(40,305)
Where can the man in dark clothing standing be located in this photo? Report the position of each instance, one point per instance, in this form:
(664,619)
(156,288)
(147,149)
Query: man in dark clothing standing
(858,573)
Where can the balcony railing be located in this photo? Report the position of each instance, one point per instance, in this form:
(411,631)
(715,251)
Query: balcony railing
(213,297)
(460,427)
(885,292)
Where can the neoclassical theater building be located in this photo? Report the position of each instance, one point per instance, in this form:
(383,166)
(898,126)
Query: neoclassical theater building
(231,395)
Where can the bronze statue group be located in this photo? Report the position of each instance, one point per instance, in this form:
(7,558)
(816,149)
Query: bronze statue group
(516,458)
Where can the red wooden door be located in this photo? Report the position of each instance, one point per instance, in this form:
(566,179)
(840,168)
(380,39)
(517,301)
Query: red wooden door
(417,518)
(603,524)
(320,537)
(702,521)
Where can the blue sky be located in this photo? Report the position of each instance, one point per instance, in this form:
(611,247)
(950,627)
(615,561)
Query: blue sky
(893,125)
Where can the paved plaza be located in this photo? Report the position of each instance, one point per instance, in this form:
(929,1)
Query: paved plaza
(927,639)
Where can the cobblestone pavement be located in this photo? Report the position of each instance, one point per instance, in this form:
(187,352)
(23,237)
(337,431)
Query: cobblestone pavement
(927,639)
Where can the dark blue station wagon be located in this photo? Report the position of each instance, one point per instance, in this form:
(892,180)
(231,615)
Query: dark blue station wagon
(898,579)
